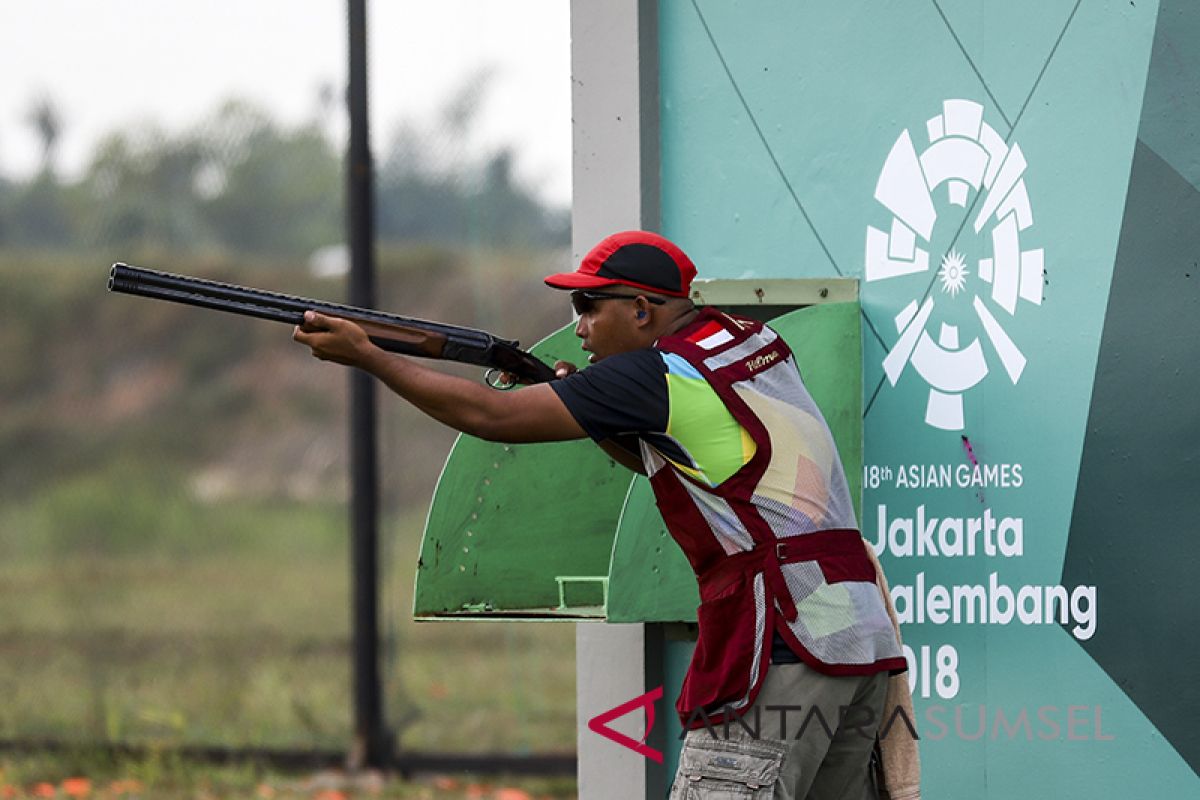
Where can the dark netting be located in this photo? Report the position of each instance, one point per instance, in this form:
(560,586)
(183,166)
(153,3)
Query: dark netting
(462,239)
(173,498)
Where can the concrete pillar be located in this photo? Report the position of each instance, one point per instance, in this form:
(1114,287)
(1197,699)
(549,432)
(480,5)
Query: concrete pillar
(614,97)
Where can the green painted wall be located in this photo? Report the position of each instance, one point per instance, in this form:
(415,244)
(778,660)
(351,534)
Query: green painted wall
(507,521)
(848,138)
(560,531)
(650,580)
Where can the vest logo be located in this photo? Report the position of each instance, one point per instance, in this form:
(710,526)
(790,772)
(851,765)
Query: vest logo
(972,167)
(762,361)
(599,724)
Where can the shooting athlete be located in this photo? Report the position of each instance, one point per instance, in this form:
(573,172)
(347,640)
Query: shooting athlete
(712,408)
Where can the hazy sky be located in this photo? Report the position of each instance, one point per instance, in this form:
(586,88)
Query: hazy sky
(111,63)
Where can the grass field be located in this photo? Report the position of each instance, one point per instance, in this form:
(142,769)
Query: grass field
(165,777)
(132,614)
(173,556)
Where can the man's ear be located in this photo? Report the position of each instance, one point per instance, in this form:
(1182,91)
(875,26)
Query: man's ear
(643,309)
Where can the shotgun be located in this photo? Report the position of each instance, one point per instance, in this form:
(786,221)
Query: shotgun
(392,332)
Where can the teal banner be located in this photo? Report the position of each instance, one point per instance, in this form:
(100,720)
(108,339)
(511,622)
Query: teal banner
(970,163)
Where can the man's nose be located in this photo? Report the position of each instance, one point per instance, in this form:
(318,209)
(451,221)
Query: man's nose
(581,326)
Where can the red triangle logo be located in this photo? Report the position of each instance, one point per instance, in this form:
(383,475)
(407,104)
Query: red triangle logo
(599,724)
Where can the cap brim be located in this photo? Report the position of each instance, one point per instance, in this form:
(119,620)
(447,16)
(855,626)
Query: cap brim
(578,280)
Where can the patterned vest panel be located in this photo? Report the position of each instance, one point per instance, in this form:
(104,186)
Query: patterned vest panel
(775,547)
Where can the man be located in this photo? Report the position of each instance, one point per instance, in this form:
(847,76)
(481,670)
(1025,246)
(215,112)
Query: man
(794,635)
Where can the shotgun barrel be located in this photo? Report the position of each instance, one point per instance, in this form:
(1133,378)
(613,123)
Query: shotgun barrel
(392,332)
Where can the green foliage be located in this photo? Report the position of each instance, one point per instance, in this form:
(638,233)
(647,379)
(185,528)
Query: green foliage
(140,190)
(273,191)
(100,514)
(132,507)
(228,624)
(238,183)
(447,205)
(173,561)
(241,183)
(39,213)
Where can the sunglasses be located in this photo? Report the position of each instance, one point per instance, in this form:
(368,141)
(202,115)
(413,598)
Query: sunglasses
(584,302)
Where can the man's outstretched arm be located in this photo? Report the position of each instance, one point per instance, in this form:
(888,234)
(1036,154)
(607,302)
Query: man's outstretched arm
(532,414)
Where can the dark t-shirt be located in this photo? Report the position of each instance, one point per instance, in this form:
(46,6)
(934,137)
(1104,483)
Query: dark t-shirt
(621,397)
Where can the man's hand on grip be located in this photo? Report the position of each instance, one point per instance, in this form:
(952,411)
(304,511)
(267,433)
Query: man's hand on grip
(333,339)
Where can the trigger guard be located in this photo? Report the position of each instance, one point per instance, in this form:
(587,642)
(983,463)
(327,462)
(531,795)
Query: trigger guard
(492,379)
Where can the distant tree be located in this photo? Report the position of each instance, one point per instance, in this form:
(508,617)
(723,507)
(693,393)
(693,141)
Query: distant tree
(414,198)
(430,186)
(47,123)
(272,191)
(38,215)
(509,215)
(240,182)
(237,182)
(6,200)
(142,191)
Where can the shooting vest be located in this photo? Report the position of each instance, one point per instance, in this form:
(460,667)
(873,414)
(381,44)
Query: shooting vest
(775,547)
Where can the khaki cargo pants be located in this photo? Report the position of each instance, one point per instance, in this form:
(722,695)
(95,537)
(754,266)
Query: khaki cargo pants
(810,737)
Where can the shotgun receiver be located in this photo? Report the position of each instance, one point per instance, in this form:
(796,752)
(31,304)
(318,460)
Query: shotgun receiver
(406,335)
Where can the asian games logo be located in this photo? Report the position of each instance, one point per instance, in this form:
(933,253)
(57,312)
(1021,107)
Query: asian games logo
(975,168)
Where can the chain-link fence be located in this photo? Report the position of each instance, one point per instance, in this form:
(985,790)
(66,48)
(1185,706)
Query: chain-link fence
(173,525)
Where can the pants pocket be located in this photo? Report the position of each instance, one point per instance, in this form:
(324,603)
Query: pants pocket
(736,769)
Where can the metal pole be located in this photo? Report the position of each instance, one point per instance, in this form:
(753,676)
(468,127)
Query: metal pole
(370,742)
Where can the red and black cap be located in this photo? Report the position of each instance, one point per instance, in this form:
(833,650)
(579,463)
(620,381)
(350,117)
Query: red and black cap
(639,259)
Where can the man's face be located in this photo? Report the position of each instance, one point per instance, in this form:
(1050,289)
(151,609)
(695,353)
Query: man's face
(609,325)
